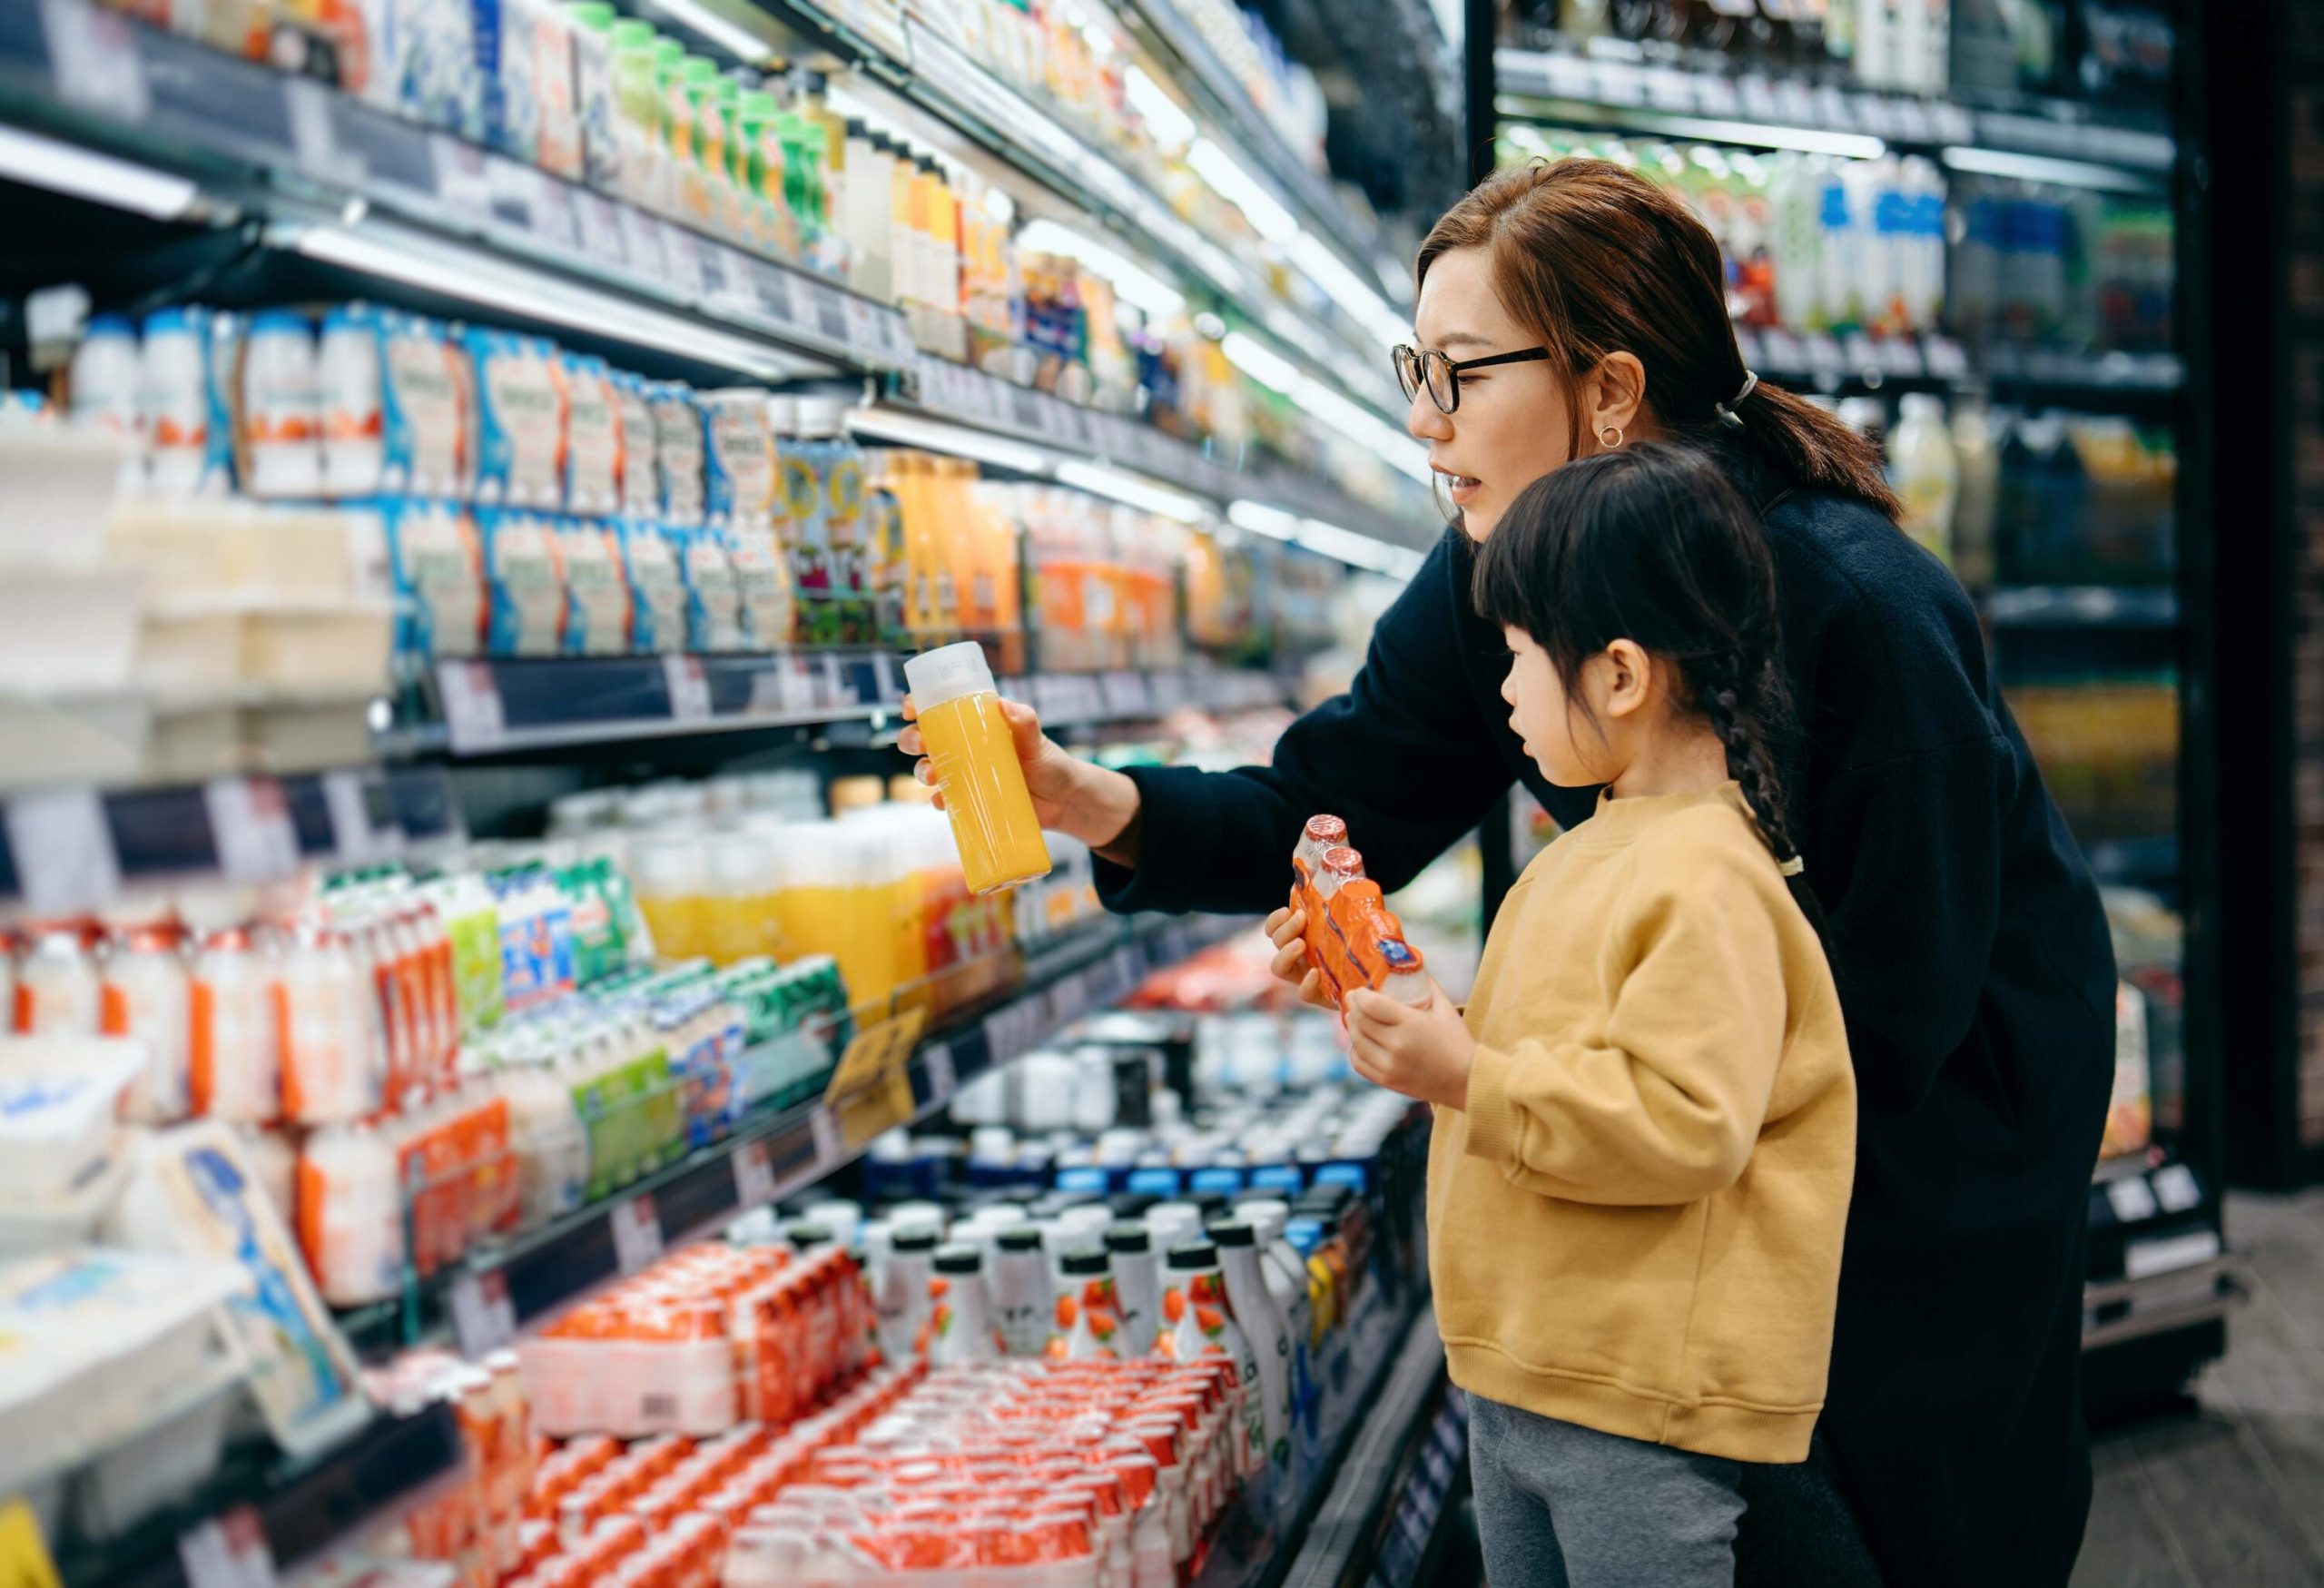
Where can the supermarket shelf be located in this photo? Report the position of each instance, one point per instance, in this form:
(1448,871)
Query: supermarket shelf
(1262,151)
(507,707)
(543,1269)
(1861,363)
(346,185)
(300,1506)
(2126,1310)
(1042,435)
(921,69)
(73,849)
(1401,1441)
(2081,607)
(1789,113)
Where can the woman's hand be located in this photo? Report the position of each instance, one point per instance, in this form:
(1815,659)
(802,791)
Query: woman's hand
(1070,796)
(1424,1052)
(1286,929)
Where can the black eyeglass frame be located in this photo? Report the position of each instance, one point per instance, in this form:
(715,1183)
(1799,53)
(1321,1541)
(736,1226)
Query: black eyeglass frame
(1404,355)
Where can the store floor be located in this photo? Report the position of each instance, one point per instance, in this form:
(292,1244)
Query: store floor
(2232,1491)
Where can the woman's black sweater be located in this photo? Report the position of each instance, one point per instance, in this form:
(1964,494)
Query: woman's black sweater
(1973,962)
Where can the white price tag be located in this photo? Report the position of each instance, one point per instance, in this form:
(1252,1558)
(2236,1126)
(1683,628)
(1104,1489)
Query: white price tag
(556,220)
(838,683)
(358,836)
(2175,1189)
(641,241)
(92,53)
(599,221)
(776,293)
(471,703)
(638,1232)
(314,139)
(753,1175)
(823,1125)
(250,830)
(227,1551)
(682,261)
(2132,1198)
(1013,1031)
(891,680)
(689,688)
(2144,1258)
(943,1078)
(863,337)
(463,180)
(63,850)
(484,1320)
(831,314)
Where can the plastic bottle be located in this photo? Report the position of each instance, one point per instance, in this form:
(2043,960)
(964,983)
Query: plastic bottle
(1138,1285)
(975,759)
(105,380)
(1022,1292)
(282,407)
(1979,462)
(1927,474)
(959,1316)
(1262,1325)
(236,1060)
(900,1290)
(332,1072)
(1286,1280)
(349,1215)
(1197,1320)
(57,990)
(147,996)
(1083,1322)
(174,400)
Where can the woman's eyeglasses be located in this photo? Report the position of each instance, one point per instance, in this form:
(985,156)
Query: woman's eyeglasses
(1440,373)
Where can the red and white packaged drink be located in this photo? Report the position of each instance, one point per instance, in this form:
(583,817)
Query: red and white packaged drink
(148,995)
(1354,939)
(235,1068)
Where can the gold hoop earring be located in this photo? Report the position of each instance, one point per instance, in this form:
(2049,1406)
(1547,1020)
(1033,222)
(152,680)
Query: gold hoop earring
(1610,438)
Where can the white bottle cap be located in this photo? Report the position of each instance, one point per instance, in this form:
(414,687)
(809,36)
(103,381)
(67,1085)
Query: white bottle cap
(947,673)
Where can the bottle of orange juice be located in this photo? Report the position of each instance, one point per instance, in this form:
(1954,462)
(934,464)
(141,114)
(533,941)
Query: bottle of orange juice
(976,766)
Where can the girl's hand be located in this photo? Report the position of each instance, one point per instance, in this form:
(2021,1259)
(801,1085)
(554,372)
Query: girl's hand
(1286,929)
(1070,796)
(1424,1052)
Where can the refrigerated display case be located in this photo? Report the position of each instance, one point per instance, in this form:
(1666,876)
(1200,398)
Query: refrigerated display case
(1964,227)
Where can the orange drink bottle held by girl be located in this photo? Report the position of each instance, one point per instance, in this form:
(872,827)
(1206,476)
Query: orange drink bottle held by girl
(975,760)
(1352,936)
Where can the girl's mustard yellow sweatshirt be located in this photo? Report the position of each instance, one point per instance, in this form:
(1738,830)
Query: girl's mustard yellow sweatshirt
(1635,1223)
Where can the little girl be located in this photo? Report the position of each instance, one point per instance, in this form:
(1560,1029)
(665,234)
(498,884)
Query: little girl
(1645,1118)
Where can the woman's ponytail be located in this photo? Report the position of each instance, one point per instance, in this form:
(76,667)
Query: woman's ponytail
(1805,445)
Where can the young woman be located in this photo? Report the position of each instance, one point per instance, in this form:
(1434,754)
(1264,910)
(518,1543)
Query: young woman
(1570,310)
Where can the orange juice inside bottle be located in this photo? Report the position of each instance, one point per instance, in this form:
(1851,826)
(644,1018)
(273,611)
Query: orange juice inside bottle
(975,761)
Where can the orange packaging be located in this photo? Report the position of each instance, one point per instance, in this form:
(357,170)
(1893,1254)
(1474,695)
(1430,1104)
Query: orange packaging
(1352,939)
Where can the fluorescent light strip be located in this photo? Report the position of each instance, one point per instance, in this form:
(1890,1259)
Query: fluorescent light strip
(1131,489)
(907,430)
(29,158)
(1135,285)
(1346,289)
(1238,187)
(1517,109)
(731,36)
(475,277)
(1324,539)
(1170,125)
(1364,428)
(2044,168)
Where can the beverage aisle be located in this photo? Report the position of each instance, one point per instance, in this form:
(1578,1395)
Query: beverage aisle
(505,1076)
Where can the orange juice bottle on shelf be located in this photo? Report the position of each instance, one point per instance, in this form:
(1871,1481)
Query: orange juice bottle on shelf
(673,896)
(909,478)
(975,758)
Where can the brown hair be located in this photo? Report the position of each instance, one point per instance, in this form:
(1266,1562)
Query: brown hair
(1596,260)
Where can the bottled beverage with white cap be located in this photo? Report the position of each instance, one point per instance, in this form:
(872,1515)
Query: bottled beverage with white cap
(974,755)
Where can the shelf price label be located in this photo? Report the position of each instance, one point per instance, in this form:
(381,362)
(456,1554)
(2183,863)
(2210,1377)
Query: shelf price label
(870,1087)
(227,1551)
(364,825)
(63,848)
(250,829)
(822,1126)
(470,698)
(682,260)
(943,1077)
(484,1320)
(93,54)
(831,314)
(689,688)
(638,1232)
(753,1175)
(1011,1033)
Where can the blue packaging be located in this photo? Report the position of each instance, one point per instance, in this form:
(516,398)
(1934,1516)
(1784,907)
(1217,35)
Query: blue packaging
(525,582)
(657,591)
(1218,1181)
(1351,1175)
(1154,1182)
(440,591)
(1086,1181)
(713,597)
(520,418)
(1280,1178)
